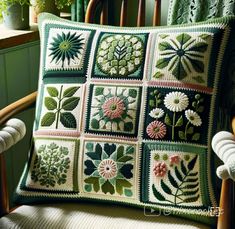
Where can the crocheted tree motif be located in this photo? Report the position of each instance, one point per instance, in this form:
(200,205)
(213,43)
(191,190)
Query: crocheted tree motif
(113,109)
(66,48)
(182,56)
(179,182)
(108,168)
(51,165)
(120,55)
(173,111)
(59,104)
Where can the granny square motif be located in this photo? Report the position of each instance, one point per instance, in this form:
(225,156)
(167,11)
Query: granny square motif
(126,115)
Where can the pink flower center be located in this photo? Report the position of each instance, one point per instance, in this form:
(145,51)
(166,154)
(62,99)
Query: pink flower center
(113,108)
(107,168)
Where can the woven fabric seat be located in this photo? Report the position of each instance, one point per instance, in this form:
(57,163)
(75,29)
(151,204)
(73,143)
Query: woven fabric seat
(89,216)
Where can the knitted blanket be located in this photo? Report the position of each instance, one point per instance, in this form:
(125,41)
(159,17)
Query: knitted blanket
(188,11)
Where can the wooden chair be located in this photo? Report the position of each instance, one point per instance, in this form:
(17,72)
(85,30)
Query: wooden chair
(226,196)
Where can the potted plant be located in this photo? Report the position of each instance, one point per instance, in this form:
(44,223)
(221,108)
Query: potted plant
(15,13)
(50,6)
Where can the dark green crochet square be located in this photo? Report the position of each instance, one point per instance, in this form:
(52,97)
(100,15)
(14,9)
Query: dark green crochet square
(113,110)
(174,114)
(120,56)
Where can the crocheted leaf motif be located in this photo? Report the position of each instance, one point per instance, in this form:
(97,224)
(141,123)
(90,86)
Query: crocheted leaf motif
(51,165)
(57,104)
(66,47)
(120,55)
(179,183)
(109,168)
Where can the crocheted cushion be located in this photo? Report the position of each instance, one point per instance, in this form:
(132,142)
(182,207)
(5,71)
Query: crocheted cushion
(125,115)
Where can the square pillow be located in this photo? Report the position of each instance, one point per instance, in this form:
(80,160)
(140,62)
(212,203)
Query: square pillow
(126,115)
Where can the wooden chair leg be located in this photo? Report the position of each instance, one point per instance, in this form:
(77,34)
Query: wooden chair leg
(226,207)
(4,205)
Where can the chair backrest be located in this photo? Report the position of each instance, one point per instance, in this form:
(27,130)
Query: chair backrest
(95,4)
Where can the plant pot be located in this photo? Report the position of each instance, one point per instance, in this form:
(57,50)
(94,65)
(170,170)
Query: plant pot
(16,17)
(48,7)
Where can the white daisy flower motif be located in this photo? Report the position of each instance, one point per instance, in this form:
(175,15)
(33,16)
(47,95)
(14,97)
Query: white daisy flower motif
(138,45)
(122,71)
(156,113)
(133,40)
(127,37)
(193,117)
(118,37)
(106,66)
(176,101)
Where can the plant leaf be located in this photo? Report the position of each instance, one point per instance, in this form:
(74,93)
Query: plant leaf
(90,167)
(196,137)
(158,75)
(52,91)
(70,103)
(126,171)
(197,65)
(192,163)
(162,63)
(165,46)
(94,181)
(181,135)
(179,121)
(70,91)
(191,199)
(172,180)
(128,126)
(157,194)
(68,120)
(165,188)
(178,174)
(151,103)
(125,158)
(120,151)
(95,124)
(183,38)
(190,130)
(120,183)
(190,186)
(99,91)
(167,120)
(192,179)
(190,193)
(199,79)
(199,47)
(50,103)
(200,109)
(48,119)
(133,93)
(193,174)
(107,187)
(183,168)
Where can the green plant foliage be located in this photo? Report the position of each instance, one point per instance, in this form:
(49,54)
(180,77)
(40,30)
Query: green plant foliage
(51,165)
(185,189)
(57,104)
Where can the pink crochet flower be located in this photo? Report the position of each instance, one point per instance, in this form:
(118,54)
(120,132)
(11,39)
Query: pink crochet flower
(156,130)
(174,159)
(113,108)
(160,169)
(107,168)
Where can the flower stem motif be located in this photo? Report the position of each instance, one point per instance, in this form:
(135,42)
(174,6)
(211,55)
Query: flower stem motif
(108,168)
(120,55)
(113,107)
(160,169)
(156,113)
(183,55)
(156,130)
(176,102)
(66,47)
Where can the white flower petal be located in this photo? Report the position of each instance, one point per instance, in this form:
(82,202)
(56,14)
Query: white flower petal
(193,117)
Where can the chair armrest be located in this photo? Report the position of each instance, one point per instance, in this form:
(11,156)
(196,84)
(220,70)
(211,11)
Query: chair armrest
(16,107)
